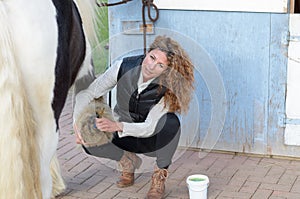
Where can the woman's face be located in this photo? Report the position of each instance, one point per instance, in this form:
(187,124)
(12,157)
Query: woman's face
(154,64)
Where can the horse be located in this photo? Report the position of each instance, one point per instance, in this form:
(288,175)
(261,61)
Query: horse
(44,50)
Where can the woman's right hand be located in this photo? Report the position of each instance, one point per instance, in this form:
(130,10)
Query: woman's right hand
(104,124)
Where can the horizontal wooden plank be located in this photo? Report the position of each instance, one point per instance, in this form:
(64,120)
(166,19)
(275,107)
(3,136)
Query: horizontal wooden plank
(274,6)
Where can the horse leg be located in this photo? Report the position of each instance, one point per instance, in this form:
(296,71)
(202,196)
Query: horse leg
(48,143)
(70,57)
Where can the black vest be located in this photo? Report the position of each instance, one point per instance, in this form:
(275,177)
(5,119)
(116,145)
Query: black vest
(131,106)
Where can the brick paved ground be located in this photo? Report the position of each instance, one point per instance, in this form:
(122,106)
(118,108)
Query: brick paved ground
(231,176)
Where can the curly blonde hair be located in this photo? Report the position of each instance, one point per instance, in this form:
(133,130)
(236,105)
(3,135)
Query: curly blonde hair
(179,77)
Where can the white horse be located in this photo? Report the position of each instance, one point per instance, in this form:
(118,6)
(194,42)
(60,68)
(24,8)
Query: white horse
(42,47)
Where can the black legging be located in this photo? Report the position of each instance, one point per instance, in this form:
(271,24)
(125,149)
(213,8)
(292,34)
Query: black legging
(161,145)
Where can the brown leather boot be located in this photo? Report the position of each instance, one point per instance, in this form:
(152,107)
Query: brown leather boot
(129,162)
(157,189)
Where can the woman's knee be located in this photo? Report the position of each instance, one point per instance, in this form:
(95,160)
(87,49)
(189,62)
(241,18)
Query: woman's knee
(173,120)
(169,122)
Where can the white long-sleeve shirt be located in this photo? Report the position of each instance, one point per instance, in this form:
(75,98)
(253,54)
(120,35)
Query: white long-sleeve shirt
(107,81)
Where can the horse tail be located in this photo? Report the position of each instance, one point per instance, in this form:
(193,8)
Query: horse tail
(89,16)
(57,180)
(20,171)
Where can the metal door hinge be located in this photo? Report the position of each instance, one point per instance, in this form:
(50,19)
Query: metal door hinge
(282,120)
(293,38)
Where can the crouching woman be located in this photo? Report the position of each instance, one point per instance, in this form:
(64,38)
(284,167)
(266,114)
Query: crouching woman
(152,90)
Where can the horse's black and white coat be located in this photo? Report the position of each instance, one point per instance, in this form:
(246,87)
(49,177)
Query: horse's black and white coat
(42,47)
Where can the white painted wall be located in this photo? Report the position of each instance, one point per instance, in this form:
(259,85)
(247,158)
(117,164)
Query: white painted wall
(292,131)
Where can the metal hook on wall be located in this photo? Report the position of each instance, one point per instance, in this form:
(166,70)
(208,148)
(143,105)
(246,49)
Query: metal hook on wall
(148,4)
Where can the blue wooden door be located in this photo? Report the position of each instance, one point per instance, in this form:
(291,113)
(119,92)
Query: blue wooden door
(240,67)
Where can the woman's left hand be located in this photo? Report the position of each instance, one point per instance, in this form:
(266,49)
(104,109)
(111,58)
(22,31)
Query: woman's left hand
(79,139)
(104,124)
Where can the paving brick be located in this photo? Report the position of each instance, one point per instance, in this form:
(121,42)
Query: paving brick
(100,187)
(207,162)
(108,194)
(68,155)
(81,167)
(77,186)
(235,183)
(252,161)
(174,166)
(214,171)
(249,187)
(146,188)
(287,179)
(259,171)
(70,178)
(232,194)
(275,172)
(83,194)
(179,191)
(277,187)
(213,193)
(219,181)
(90,172)
(282,194)
(275,161)
(129,195)
(66,148)
(238,179)
(228,172)
(92,181)
(277,197)
(263,179)
(294,171)
(237,161)
(295,163)
(180,174)
(296,186)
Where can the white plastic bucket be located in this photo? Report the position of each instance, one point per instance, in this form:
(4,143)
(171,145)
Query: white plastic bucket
(197,185)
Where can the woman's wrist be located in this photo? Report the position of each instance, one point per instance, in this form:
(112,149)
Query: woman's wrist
(119,126)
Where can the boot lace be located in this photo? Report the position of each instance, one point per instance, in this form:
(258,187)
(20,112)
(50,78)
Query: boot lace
(158,180)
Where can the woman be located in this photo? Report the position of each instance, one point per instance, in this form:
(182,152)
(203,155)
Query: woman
(151,90)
